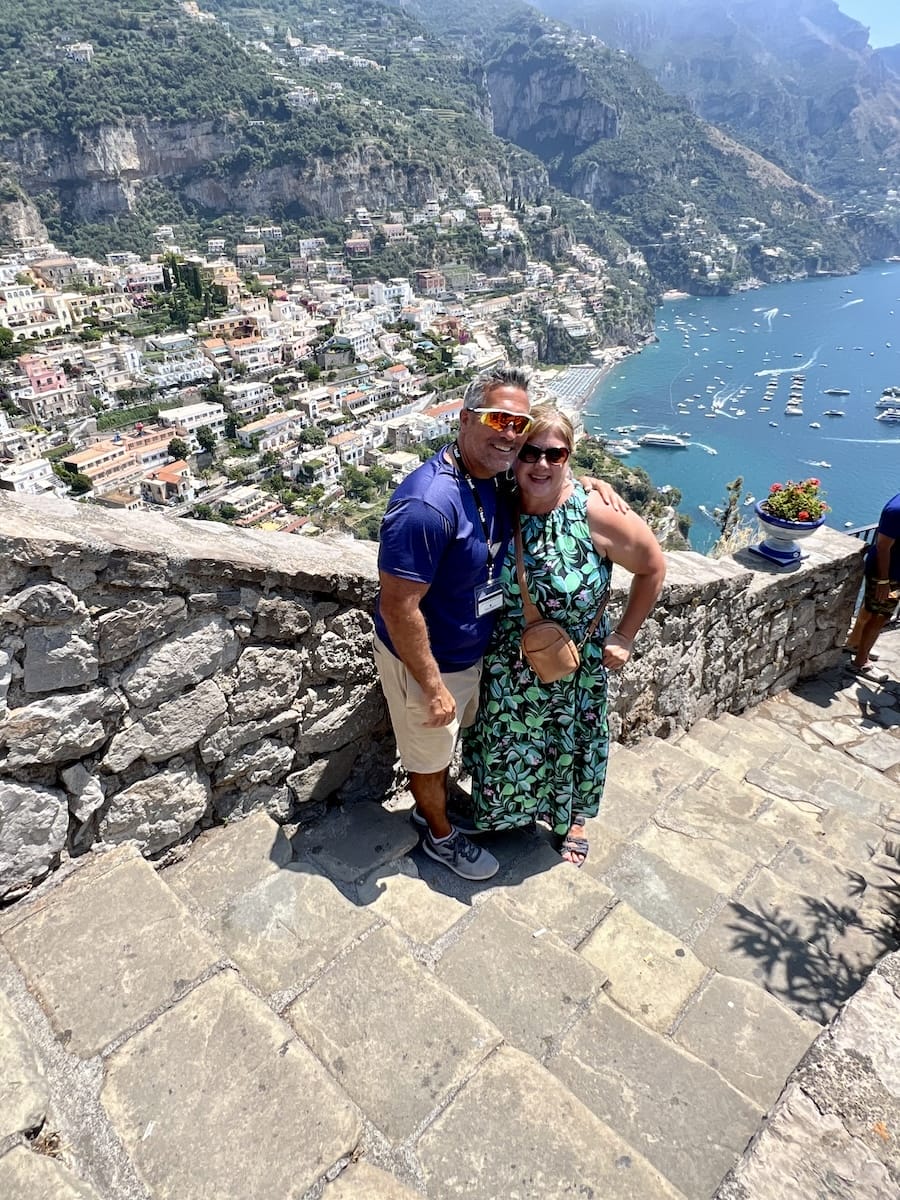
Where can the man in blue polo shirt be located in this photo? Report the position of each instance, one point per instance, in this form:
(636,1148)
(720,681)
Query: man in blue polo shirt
(882,591)
(443,540)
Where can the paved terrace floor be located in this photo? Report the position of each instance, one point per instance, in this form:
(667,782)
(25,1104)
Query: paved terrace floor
(332,1015)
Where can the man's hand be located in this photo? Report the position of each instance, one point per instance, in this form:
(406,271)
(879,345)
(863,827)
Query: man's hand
(441,709)
(607,494)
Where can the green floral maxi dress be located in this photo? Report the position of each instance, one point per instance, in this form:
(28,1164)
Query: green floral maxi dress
(540,749)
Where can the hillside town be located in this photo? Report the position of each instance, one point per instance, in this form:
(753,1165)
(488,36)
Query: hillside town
(287,400)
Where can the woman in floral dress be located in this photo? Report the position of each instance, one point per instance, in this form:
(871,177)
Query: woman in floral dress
(536,750)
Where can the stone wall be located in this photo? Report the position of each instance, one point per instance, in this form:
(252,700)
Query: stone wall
(158,676)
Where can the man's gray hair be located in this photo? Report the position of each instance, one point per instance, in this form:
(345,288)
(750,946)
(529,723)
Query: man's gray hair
(483,384)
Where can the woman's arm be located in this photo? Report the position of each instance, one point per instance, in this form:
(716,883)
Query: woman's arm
(628,540)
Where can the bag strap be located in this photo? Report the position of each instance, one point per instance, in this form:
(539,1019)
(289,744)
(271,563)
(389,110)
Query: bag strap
(530,610)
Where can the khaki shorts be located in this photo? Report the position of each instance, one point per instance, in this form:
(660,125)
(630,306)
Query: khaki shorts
(423,750)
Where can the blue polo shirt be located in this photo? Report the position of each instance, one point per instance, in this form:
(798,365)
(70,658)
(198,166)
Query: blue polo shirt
(889,525)
(432,534)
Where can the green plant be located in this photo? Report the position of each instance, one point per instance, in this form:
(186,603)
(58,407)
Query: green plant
(795,501)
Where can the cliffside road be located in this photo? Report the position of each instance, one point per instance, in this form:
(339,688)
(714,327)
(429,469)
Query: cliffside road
(333,1017)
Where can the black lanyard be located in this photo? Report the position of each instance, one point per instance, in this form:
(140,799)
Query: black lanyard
(487,530)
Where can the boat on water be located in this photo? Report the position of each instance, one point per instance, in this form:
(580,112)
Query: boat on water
(834,412)
(837,391)
(774,424)
(889,414)
(793,410)
(814,425)
(669,441)
(886,400)
(749,500)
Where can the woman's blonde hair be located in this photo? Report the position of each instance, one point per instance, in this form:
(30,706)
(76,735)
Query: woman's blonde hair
(545,417)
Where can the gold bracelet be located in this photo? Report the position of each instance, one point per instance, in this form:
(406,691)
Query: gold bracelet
(877,582)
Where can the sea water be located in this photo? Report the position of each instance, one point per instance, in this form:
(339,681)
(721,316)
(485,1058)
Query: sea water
(706,378)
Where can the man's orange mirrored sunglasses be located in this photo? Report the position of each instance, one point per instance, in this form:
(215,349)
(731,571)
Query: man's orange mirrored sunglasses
(499,420)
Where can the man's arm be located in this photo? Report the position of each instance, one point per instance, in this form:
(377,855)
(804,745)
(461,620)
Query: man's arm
(400,606)
(883,547)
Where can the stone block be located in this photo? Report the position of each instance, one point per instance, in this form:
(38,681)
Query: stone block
(671,899)
(27,1175)
(530,989)
(713,811)
(265,681)
(217,1098)
(229,860)
(199,649)
(350,842)
(806,1152)
(554,896)
(24,1094)
(323,777)
(158,811)
(265,761)
(85,792)
(362,1181)
(719,866)
(338,714)
(288,927)
(172,729)
(544,1143)
(687,1121)
(380,990)
(651,974)
(34,821)
(105,949)
(59,657)
(46,604)
(881,751)
(747,1036)
(58,728)
(125,631)
(764,947)
(397,894)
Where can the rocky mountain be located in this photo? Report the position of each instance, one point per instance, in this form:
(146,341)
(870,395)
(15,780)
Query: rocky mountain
(118,116)
(796,80)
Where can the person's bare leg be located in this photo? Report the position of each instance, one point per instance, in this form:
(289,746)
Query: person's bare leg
(430,794)
(867,640)
(853,637)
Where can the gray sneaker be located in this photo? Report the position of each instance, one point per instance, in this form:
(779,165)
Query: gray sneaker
(462,856)
(457,819)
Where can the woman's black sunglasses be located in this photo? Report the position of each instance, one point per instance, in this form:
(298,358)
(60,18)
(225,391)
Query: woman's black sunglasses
(553,454)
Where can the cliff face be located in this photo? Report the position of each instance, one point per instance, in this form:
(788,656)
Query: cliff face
(21,222)
(100,173)
(794,79)
(547,108)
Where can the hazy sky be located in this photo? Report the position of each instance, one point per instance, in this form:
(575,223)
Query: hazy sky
(881,16)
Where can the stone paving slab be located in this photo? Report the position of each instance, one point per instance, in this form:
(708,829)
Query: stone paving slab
(791,781)
(767,950)
(217,1098)
(397,893)
(402,1042)
(362,1181)
(704,812)
(24,1094)
(838,836)
(555,895)
(349,843)
(101,958)
(630,797)
(804,1153)
(673,1109)
(721,867)
(545,1144)
(746,1035)
(226,861)
(651,974)
(881,751)
(671,899)
(817,771)
(27,1175)
(728,751)
(288,927)
(837,923)
(518,975)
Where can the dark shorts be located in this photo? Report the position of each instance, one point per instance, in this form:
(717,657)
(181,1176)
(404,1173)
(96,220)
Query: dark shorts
(881,608)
